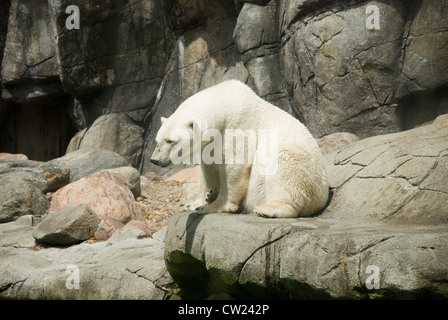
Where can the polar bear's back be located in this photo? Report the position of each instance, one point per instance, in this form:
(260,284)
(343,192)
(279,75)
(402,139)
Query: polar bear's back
(264,114)
(239,107)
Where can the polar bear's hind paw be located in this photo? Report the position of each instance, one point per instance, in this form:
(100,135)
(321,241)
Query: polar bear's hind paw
(276,209)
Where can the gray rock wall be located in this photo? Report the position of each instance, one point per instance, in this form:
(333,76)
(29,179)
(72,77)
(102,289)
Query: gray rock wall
(131,62)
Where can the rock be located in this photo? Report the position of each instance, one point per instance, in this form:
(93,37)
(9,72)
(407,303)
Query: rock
(132,178)
(18,233)
(335,141)
(160,235)
(14,157)
(34,176)
(259,46)
(87,161)
(30,55)
(306,258)
(250,31)
(66,227)
(115,132)
(105,192)
(190,179)
(127,266)
(35,121)
(46,177)
(108,74)
(190,192)
(55,176)
(138,225)
(19,197)
(186,175)
(378,176)
(327,49)
(420,61)
(152,176)
(106,228)
(385,225)
(23,185)
(4,11)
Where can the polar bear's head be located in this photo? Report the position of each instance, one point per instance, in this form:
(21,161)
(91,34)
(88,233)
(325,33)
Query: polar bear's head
(174,142)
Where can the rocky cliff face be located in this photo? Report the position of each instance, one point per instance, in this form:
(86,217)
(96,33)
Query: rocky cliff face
(131,62)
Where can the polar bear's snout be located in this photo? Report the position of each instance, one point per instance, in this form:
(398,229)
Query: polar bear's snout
(160,157)
(155,161)
(160,163)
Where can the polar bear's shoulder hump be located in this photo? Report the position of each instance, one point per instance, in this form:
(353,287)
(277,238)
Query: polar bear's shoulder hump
(236,85)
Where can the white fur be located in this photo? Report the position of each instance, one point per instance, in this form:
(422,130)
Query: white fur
(299,186)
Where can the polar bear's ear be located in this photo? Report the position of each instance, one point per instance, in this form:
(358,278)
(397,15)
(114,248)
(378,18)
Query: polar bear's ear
(163,119)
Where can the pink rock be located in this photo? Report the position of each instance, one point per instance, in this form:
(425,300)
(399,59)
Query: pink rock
(137,224)
(105,192)
(106,228)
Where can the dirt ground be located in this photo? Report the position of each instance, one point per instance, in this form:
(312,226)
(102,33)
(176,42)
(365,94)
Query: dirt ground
(159,200)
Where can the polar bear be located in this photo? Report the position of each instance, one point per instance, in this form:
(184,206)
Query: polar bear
(280,172)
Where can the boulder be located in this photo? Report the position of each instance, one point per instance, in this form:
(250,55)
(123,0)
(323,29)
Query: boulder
(109,227)
(137,225)
(23,185)
(384,233)
(335,141)
(46,177)
(106,228)
(18,233)
(86,161)
(105,192)
(310,258)
(186,175)
(4,156)
(66,227)
(34,176)
(116,132)
(131,176)
(55,176)
(19,197)
(397,178)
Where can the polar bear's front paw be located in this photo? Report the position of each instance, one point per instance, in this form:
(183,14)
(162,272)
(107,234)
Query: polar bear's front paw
(214,207)
(211,195)
(201,209)
(192,206)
